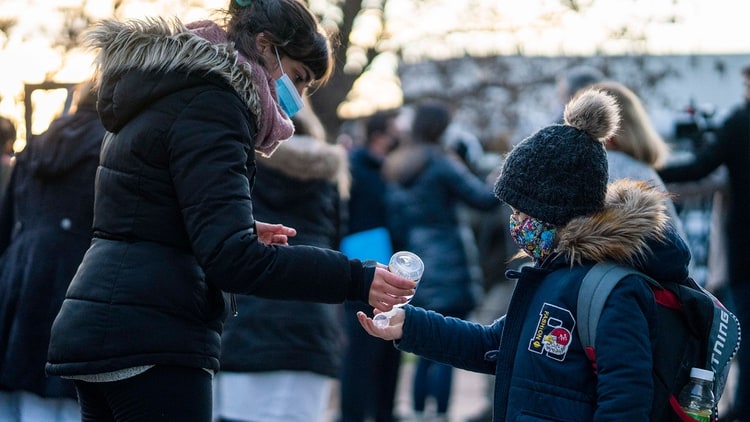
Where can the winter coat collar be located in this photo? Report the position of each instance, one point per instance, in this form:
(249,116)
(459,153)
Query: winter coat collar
(632,229)
(159,45)
(306,158)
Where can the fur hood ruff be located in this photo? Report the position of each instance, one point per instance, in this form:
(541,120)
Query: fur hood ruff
(161,45)
(634,217)
(306,158)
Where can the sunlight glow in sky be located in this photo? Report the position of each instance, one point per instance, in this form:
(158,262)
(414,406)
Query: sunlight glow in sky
(444,29)
(426,29)
(544,27)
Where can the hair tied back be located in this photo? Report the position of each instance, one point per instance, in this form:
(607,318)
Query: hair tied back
(243,3)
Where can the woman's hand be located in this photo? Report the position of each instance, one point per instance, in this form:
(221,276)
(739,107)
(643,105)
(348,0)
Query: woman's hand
(389,289)
(274,234)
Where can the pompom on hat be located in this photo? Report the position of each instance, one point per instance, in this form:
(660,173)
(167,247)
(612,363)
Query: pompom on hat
(561,172)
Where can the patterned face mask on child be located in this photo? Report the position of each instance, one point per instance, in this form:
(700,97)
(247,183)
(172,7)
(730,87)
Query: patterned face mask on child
(536,238)
(289,98)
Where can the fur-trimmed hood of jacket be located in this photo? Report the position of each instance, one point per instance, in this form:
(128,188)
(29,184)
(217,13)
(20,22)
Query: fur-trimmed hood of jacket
(306,158)
(163,46)
(632,229)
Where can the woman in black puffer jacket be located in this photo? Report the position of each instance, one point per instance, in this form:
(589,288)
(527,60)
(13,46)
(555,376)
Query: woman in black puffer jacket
(186,108)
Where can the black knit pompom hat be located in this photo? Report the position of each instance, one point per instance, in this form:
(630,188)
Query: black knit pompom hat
(561,172)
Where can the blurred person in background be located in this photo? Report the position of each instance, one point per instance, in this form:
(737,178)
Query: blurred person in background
(731,148)
(466,145)
(573,80)
(188,108)
(636,151)
(426,184)
(45,228)
(279,359)
(7,138)
(469,149)
(369,376)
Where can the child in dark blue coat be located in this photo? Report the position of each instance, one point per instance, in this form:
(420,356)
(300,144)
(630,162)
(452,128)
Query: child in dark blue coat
(567,219)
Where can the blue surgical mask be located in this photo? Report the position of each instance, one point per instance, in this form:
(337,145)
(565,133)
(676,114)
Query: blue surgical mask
(289,98)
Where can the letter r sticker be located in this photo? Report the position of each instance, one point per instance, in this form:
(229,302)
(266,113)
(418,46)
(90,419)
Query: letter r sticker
(553,332)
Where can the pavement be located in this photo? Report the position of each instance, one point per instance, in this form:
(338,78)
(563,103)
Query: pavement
(468,397)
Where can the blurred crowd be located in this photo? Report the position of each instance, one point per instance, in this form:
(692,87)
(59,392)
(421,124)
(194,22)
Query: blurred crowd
(410,178)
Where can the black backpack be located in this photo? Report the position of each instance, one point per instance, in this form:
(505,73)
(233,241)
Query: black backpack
(694,330)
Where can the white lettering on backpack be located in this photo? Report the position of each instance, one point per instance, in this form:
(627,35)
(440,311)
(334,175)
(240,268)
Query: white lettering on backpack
(721,338)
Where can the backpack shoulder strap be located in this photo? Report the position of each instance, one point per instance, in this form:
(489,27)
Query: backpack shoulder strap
(595,289)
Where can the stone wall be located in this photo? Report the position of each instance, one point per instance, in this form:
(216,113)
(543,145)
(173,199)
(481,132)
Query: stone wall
(503,99)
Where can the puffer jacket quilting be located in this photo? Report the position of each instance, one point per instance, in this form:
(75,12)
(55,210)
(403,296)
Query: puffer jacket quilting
(173,223)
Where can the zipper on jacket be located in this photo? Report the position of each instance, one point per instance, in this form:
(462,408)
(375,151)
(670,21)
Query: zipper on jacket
(233,304)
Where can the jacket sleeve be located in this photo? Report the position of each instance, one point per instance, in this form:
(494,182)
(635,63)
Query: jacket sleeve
(466,186)
(452,341)
(212,168)
(624,353)
(707,159)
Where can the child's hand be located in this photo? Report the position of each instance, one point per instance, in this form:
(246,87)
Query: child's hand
(393,331)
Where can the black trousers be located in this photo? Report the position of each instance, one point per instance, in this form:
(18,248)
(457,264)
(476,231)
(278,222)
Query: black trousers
(369,376)
(163,393)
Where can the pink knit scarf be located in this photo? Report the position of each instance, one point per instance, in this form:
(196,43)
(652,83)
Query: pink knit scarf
(274,126)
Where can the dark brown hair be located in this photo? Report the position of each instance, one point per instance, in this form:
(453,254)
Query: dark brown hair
(289,25)
(430,121)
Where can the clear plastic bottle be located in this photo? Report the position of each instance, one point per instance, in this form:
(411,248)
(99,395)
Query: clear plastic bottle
(407,265)
(697,397)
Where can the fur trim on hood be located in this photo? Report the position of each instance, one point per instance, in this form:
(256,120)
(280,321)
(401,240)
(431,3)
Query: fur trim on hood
(307,158)
(634,217)
(161,45)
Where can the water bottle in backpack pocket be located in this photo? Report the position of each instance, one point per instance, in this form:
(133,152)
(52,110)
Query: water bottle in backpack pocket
(694,331)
